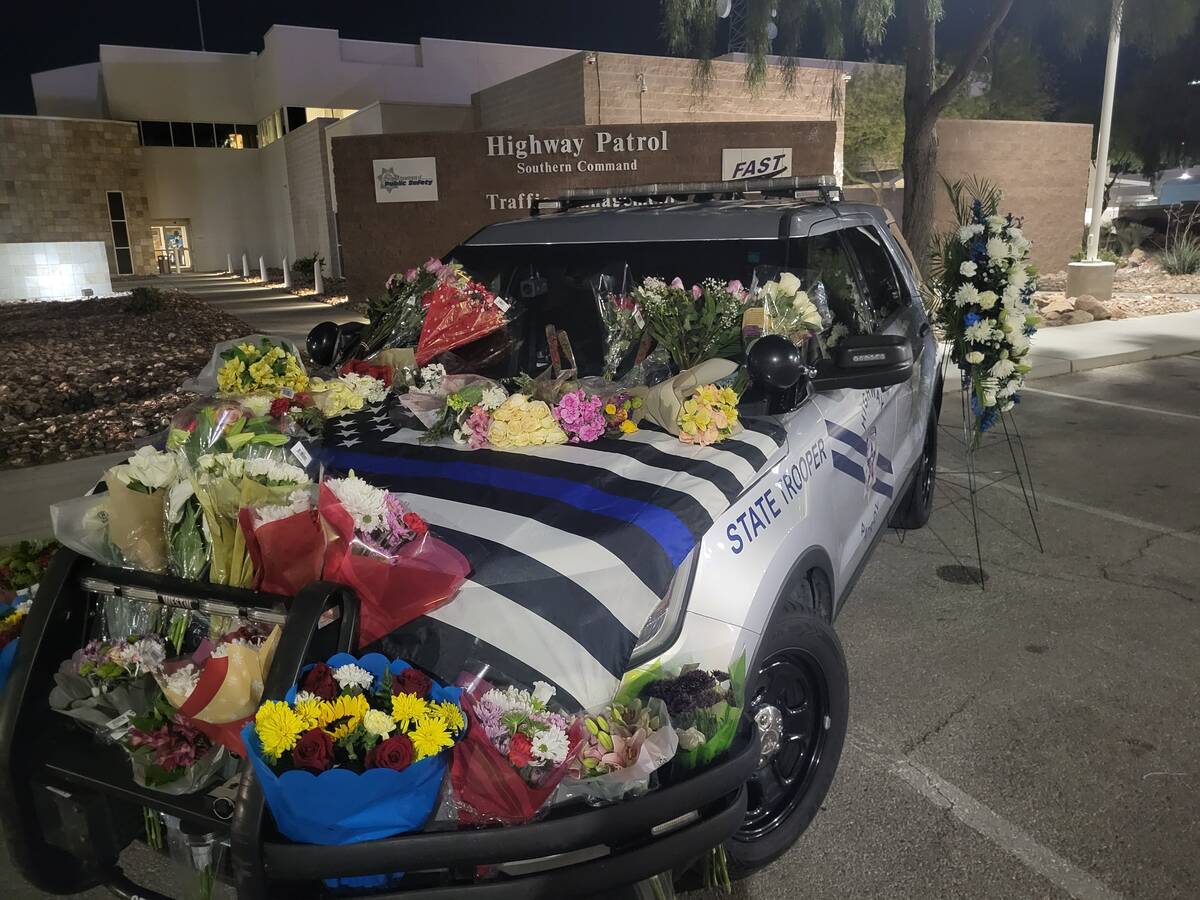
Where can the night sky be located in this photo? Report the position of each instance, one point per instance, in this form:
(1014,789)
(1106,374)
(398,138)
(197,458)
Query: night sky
(39,36)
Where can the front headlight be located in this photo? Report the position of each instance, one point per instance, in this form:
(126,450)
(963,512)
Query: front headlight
(662,628)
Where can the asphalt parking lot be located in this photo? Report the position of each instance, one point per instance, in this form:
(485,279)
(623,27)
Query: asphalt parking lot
(1039,738)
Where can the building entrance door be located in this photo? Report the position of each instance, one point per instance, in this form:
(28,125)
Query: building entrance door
(171,248)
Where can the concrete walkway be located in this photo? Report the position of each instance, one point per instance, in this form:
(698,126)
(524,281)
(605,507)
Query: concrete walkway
(264,309)
(1113,342)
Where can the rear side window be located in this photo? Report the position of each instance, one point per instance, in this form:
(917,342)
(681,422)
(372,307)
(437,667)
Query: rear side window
(826,270)
(880,279)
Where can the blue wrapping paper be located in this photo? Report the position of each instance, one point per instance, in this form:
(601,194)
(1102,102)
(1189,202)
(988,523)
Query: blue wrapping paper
(344,807)
(9,654)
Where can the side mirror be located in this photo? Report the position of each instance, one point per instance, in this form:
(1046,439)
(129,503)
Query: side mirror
(865,361)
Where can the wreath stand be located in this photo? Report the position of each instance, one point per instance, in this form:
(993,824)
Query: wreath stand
(984,470)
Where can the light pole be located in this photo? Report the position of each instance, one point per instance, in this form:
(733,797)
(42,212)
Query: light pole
(1092,276)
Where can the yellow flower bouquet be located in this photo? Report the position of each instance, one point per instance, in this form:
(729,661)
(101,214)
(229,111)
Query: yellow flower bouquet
(521,422)
(709,415)
(366,737)
(271,367)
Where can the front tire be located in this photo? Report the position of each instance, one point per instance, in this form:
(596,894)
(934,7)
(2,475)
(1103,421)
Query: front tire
(800,684)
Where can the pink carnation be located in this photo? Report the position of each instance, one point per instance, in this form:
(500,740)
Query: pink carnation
(697,292)
(410,276)
(433,265)
(476,427)
(581,416)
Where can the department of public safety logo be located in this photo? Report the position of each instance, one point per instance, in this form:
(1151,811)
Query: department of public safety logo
(388,179)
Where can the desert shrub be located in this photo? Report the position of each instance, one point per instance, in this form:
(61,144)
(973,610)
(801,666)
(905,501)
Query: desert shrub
(304,264)
(1183,256)
(144,301)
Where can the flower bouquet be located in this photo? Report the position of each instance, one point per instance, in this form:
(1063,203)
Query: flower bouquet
(986,304)
(624,744)
(350,391)
(622,411)
(396,319)
(169,755)
(622,320)
(515,753)
(285,542)
(12,620)
(355,752)
(105,683)
(386,553)
(787,310)
(137,492)
(581,416)
(467,413)
(224,484)
(217,689)
(709,415)
(695,325)
(664,403)
(705,707)
(521,422)
(267,365)
(459,313)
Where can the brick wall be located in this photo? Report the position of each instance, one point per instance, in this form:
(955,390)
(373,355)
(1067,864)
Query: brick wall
(551,95)
(54,179)
(1042,168)
(608,92)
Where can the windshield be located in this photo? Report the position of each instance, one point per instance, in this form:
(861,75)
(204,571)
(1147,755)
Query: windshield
(560,285)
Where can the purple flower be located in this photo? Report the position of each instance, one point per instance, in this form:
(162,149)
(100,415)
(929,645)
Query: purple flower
(677,283)
(697,292)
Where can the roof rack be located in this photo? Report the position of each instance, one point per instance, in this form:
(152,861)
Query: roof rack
(825,186)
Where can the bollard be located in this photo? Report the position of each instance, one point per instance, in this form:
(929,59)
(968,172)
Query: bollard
(245,267)
(229,263)
(262,269)
(287,275)
(318,281)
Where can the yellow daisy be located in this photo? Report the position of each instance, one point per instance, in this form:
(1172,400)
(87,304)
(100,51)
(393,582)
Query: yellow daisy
(448,712)
(278,728)
(407,709)
(430,736)
(344,714)
(628,426)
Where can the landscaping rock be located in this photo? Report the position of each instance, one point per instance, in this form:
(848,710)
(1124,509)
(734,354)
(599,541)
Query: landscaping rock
(1076,317)
(1136,258)
(1061,305)
(1090,304)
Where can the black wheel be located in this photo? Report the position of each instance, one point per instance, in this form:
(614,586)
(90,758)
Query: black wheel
(914,508)
(799,694)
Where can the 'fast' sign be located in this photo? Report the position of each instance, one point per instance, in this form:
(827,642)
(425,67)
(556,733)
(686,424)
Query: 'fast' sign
(755,162)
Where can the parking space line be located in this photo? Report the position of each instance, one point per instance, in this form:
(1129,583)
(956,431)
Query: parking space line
(1189,536)
(1133,406)
(983,820)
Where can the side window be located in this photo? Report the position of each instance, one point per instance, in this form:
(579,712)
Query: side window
(830,272)
(879,274)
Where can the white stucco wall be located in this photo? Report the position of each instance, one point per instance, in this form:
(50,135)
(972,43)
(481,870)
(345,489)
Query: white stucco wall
(74,92)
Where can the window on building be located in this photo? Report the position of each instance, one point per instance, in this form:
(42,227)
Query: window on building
(156,134)
(227,136)
(181,134)
(205,134)
(326,112)
(296,116)
(270,128)
(120,232)
(248,137)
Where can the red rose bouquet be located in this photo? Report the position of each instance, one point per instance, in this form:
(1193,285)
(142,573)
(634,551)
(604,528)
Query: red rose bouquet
(458,314)
(355,752)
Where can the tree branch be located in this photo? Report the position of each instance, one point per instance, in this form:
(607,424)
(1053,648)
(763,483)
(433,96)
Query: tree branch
(945,93)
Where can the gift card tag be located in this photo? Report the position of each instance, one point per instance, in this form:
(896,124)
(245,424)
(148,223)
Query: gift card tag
(502,304)
(638,317)
(287,393)
(301,453)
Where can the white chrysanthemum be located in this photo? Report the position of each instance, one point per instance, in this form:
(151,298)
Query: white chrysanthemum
(150,654)
(967,269)
(493,397)
(967,232)
(432,376)
(836,333)
(274,472)
(182,681)
(372,390)
(1018,341)
(1003,368)
(352,676)
(364,502)
(379,723)
(974,357)
(966,295)
(1015,234)
(995,223)
(550,745)
(1010,387)
(542,692)
(998,249)
(304,697)
(987,299)
(979,333)
(259,404)
(1018,277)
(298,502)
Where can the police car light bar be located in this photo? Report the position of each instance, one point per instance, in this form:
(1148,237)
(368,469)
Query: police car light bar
(824,185)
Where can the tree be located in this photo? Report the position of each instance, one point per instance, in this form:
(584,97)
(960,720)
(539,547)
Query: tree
(691,30)
(874,135)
